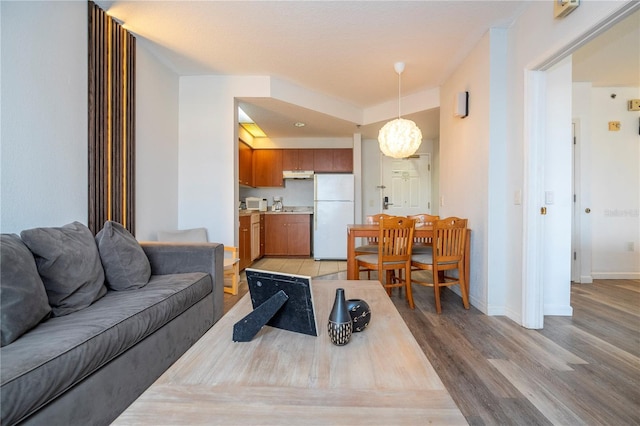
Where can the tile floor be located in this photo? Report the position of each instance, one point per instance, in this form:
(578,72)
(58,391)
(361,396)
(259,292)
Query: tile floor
(303,266)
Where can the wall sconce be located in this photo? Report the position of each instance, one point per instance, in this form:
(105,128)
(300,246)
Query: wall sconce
(461,105)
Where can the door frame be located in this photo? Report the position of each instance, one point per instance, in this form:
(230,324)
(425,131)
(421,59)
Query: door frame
(534,125)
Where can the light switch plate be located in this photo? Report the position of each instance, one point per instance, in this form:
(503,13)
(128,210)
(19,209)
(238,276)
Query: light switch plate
(548,197)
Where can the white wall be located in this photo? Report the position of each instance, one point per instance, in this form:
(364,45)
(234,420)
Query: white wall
(553,39)
(208,153)
(491,161)
(44,114)
(156,146)
(464,160)
(44,152)
(615,184)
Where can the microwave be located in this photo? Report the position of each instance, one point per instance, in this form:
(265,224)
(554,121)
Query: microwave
(255,203)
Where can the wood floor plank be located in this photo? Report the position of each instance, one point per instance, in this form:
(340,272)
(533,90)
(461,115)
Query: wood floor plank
(583,369)
(535,391)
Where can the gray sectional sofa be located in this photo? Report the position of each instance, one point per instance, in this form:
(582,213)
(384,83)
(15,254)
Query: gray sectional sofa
(83,356)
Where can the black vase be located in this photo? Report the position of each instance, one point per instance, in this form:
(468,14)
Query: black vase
(340,324)
(360,314)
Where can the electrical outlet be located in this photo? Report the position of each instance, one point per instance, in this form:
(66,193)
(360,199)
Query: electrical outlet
(614,126)
(633,105)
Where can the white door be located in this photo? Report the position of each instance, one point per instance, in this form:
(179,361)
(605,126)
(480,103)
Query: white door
(576,257)
(406,184)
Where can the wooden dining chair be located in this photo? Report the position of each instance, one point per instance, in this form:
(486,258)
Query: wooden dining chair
(232,269)
(449,239)
(395,240)
(422,244)
(371,245)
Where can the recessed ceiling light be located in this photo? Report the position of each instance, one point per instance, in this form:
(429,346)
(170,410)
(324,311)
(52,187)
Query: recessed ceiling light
(299,124)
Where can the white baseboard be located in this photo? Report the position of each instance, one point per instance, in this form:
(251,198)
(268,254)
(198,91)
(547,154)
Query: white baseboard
(616,275)
(586,279)
(558,310)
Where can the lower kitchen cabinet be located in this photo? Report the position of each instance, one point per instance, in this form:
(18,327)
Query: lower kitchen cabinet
(244,243)
(250,239)
(287,235)
(255,237)
(262,234)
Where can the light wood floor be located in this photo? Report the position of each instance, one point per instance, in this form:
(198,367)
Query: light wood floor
(583,369)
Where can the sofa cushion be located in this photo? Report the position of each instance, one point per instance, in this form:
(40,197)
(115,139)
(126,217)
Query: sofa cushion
(69,265)
(126,267)
(23,300)
(61,352)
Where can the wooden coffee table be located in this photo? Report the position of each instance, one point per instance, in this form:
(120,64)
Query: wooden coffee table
(380,377)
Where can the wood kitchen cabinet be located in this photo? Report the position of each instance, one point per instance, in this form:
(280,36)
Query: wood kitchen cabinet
(250,239)
(255,237)
(262,234)
(245,164)
(244,243)
(333,160)
(297,159)
(343,160)
(267,167)
(288,235)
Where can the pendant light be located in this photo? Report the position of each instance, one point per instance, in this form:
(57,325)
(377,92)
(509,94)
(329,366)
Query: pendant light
(399,138)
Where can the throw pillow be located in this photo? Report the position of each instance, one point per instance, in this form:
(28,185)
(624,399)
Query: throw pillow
(125,264)
(23,301)
(69,264)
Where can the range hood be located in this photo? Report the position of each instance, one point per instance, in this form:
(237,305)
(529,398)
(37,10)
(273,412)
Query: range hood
(297,174)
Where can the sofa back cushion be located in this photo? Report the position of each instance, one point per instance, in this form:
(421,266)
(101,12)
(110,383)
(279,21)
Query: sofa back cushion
(69,264)
(23,300)
(126,267)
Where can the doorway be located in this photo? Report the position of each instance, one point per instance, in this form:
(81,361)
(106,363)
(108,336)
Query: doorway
(406,185)
(536,262)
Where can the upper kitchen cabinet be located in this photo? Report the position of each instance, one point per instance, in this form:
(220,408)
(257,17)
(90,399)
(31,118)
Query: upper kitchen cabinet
(297,159)
(245,164)
(343,160)
(267,167)
(333,160)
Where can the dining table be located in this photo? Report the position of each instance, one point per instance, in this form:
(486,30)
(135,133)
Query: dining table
(372,230)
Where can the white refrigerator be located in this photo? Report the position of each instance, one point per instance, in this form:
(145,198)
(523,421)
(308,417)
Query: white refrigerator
(333,210)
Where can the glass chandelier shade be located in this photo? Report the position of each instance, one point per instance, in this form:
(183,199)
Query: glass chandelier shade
(399,138)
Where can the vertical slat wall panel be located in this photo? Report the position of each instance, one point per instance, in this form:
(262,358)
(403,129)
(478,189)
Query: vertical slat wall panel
(111,122)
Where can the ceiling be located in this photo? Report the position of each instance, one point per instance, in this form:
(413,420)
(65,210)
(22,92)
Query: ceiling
(341,49)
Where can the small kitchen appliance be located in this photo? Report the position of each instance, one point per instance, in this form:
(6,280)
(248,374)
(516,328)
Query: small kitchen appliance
(255,203)
(277,204)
